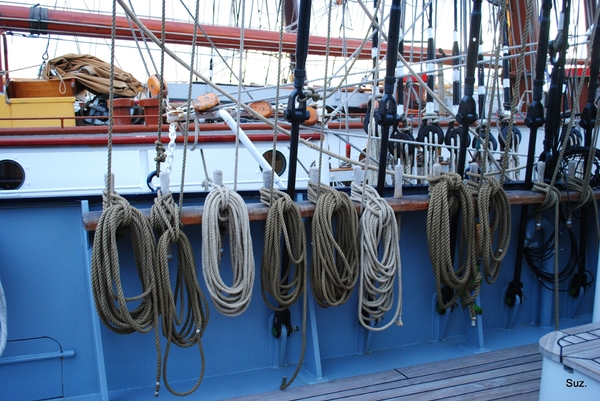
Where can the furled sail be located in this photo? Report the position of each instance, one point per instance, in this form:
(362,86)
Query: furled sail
(91,73)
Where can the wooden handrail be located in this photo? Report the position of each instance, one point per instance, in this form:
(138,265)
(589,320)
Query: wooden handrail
(410,203)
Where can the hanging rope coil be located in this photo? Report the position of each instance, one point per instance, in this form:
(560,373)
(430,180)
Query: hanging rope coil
(183,331)
(334,270)
(448,194)
(376,285)
(225,211)
(493,209)
(119,219)
(284,219)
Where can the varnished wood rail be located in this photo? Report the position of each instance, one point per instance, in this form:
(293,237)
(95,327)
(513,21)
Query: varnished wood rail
(410,203)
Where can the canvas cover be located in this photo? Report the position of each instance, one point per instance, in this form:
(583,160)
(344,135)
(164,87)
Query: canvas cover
(93,74)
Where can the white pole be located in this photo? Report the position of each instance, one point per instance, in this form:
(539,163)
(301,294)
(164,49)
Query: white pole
(229,120)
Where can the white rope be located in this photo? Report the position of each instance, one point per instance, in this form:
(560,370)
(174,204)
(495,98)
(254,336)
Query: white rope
(225,211)
(3,320)
(376,283)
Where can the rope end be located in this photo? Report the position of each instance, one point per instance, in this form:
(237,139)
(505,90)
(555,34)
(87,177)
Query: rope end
(399,322)
(156,389)
(283,383)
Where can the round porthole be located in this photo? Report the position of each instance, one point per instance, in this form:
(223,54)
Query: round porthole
(12,175)
(280,161)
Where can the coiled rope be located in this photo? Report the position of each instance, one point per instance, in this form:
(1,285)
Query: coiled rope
(493,206)
(377,224)
(493,201)
(118,219)
(284,286)
(334,269)
(225,211)
(182,331)
(448,194)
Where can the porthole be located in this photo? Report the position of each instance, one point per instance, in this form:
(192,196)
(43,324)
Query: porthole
(12,175)
(280,161)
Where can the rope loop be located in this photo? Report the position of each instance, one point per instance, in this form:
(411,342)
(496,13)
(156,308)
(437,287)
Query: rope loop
(377,274)
(284,219)
(226,213)
(493,201)
(448,195)
(334,271)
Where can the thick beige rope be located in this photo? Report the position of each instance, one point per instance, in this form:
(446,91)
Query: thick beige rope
(377,274)
(448,194)
(286,288)
(493,209)
(334,269)
(179,330)
(225,212)
(118,220)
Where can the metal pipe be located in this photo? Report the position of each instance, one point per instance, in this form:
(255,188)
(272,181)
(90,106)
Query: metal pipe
(230,121)
(296,112)
(386,114)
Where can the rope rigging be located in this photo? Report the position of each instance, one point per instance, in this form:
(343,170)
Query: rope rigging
(226,213)
(284,282)
(493,206)
(119,219)
(183,331)
(334,269)
(378,273)
(449,195)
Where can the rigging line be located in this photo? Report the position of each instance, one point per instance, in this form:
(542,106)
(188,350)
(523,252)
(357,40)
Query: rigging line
(135,39)
(145,43)
(188,107)
(233,99)
(118,214)
(214,47)
(239,97)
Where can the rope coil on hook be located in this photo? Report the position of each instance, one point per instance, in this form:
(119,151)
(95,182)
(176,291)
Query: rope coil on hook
(225,212)
(118,220)
(377,274)
(277,280)
(182,331)
(334,270)
(492,201)
(448,194)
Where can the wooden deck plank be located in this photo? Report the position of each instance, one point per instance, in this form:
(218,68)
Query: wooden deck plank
(328,389)
(524,389)
(485,376)
(442,387)
(473,360)
(427,379)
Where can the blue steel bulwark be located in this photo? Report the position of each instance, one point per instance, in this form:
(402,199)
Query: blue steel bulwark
(45,254)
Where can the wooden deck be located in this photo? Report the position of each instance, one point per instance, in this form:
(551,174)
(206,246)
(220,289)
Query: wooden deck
(513,372)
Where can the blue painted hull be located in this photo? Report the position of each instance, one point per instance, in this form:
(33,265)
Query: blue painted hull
(57,348)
